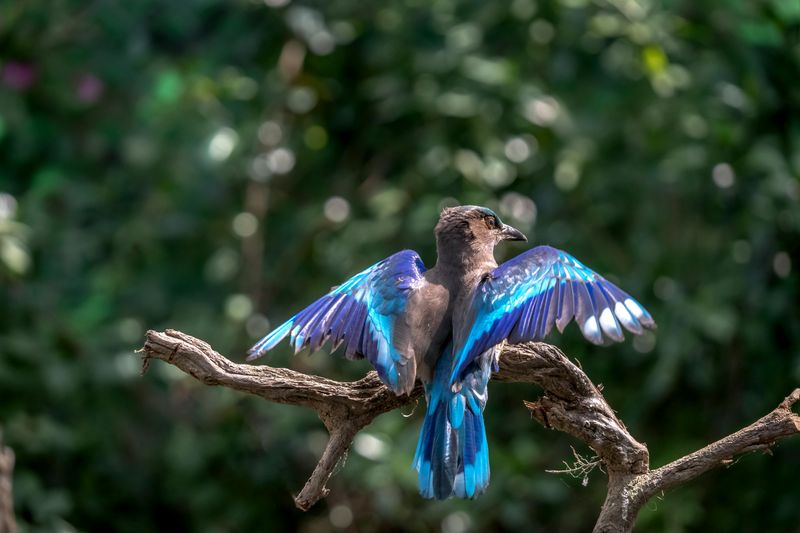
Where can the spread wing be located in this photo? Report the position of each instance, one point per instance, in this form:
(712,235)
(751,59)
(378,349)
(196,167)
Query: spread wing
(362,314)
(524,297)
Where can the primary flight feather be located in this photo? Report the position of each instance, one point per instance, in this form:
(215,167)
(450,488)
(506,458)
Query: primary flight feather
(445,325)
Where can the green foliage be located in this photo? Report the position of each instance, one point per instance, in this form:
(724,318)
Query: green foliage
(213,166)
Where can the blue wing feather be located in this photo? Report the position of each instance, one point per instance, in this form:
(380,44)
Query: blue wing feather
(524,297)
(360,314)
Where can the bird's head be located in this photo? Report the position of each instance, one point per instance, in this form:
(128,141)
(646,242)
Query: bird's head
(474,228)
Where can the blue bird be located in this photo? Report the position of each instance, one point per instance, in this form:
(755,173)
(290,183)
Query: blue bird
(446,326)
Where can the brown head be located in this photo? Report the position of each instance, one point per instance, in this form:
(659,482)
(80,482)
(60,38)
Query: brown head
(469,233)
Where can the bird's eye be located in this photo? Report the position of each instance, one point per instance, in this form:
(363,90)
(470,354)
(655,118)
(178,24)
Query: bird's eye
(492,222)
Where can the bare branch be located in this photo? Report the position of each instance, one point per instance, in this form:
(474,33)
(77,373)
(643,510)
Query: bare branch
(347,407)
(574,405)
(760,435)
(628,492)
(571,403)
(344,408)
(8,523)
(335,452)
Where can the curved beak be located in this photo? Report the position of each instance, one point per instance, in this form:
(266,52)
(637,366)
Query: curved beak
(508,233)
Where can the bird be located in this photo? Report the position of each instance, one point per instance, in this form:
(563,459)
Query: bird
(446,325)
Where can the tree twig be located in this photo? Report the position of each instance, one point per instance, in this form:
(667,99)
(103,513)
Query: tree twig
(571,403)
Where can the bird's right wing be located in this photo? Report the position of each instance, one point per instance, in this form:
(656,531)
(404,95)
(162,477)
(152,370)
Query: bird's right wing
(361,314)
(522,299)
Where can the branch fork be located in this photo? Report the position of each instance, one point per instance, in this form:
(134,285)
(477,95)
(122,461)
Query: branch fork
(571,403)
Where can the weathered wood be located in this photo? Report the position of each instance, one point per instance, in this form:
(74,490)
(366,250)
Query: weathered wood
(571,403)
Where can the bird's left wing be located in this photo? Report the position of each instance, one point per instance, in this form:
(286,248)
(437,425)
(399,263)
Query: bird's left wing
(362,315)
(524,297)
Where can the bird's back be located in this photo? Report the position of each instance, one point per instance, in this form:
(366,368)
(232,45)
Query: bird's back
(428,323)
(435,311)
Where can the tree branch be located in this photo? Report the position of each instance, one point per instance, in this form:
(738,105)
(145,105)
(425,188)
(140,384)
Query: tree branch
(759,435)
(571,403)
(629,492)
(344,407)
(574,405)
(8,523)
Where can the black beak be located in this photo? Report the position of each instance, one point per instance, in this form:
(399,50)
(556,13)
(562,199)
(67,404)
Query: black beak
(509,233)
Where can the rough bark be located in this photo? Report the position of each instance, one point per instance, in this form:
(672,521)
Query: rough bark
(7,522)
(571,403)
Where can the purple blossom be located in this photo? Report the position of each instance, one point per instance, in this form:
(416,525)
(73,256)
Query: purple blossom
(89,88)
(18,75)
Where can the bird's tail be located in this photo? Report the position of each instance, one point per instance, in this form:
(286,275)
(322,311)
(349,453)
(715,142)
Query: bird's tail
(452,456)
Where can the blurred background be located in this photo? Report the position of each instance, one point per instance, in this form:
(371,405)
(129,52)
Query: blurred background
(213,166)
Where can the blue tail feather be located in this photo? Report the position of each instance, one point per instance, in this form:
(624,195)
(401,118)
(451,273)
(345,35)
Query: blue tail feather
(452,456)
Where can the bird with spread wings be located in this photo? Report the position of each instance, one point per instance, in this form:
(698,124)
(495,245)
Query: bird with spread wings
(445,325)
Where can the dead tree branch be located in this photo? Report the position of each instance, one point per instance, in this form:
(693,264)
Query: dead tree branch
(628,492)
(571,403)
(8,523)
